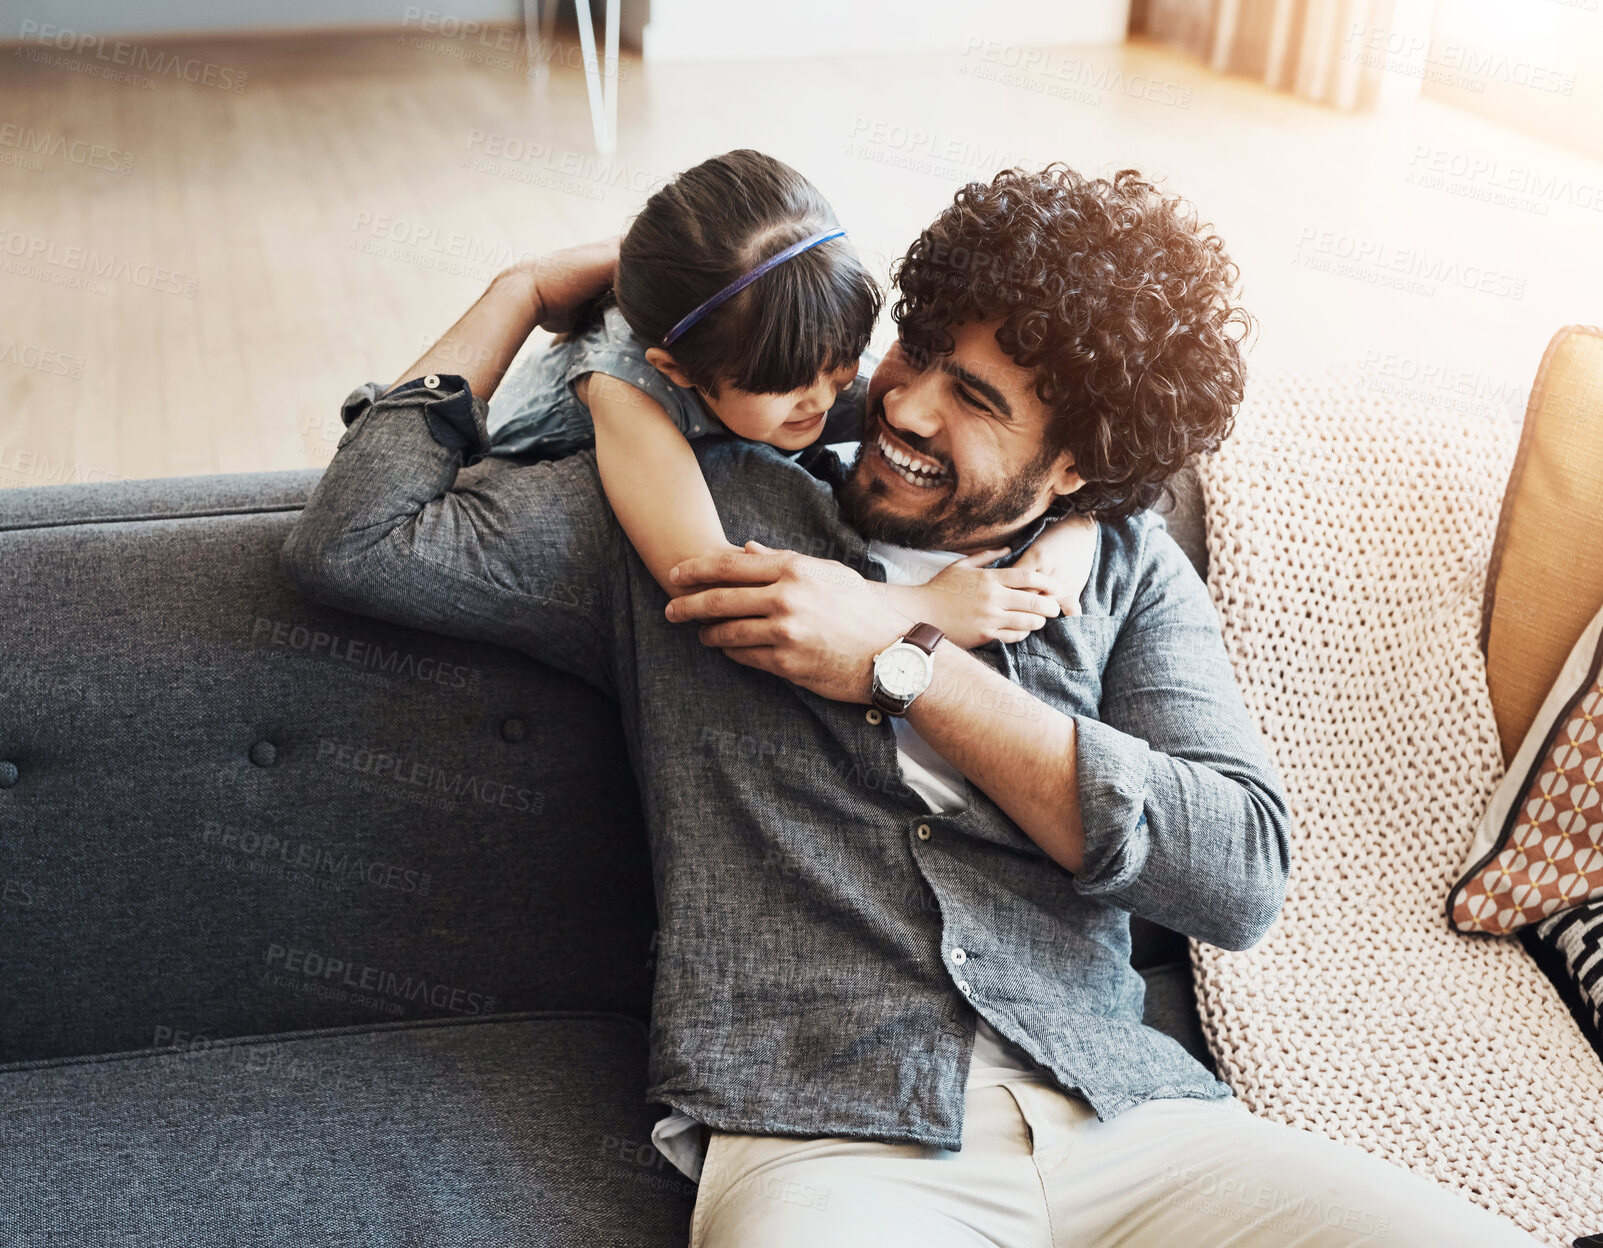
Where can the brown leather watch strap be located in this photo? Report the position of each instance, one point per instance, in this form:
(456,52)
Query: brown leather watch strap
(921,636)
(925,636)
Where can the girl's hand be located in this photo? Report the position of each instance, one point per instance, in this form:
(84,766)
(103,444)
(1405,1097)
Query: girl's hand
(1064,552)
(973,604)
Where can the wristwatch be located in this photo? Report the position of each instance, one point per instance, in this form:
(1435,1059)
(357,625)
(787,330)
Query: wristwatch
(904,669)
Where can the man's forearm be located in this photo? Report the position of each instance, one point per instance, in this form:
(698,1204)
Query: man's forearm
(818,624)
(547,292)
(1018,750)
(1163,801)
(481,345)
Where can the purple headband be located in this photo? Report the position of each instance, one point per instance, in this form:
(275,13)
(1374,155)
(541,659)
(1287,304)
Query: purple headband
(740,283)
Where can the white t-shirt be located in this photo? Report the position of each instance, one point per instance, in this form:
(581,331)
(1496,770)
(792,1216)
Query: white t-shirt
(943,788)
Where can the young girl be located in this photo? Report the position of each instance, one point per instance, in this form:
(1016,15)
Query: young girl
(739,308)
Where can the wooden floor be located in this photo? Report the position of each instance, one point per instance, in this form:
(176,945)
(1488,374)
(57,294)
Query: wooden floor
(205,302)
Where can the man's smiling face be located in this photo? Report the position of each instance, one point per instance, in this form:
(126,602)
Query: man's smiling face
(955,454)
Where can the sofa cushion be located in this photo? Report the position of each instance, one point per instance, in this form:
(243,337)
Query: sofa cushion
(514,1130)
(1171,1007)
(1182,512)
(225,809)
(158,498)
(510,1130)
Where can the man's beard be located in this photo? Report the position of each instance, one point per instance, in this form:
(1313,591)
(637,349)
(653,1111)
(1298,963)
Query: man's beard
(960,514)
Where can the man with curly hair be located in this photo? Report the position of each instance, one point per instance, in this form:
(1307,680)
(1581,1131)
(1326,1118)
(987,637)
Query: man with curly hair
(894,1002)
(1119,310)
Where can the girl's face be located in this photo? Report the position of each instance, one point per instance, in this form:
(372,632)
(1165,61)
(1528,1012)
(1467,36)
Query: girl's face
(787,421)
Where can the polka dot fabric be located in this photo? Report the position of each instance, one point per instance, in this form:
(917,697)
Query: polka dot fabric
(1348,538)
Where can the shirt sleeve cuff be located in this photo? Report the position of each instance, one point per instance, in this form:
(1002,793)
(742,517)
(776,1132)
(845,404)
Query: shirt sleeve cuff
(1112,769)
(456,417)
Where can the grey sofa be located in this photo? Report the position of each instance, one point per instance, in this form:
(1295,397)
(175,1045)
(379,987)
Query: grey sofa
(316,930)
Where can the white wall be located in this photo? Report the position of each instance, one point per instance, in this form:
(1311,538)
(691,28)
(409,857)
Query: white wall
(1533,64)
(24,19)
(678,29)
(753,29)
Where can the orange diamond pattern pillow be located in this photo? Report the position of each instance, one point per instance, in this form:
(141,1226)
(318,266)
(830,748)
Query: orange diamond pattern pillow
(1539,847)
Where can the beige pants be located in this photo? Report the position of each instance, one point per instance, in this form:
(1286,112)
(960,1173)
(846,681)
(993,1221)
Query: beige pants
(1037,1170)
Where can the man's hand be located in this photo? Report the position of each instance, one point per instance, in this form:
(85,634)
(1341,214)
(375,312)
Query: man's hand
(545,291)
(815,622)
(564,281)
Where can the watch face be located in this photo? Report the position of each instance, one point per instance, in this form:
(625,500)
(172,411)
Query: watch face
(903,670)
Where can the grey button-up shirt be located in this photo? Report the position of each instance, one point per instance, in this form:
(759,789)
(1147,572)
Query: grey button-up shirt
(810,906)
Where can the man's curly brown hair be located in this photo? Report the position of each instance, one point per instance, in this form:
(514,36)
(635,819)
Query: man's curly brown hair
(1115,295)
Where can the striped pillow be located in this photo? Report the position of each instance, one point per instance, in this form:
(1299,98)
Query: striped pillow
(1569,949)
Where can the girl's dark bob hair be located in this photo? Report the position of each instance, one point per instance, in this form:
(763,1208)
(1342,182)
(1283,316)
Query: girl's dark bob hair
(711,225)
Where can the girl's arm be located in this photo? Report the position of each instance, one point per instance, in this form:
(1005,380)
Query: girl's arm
(1065,553)
(974,605)
(651,478)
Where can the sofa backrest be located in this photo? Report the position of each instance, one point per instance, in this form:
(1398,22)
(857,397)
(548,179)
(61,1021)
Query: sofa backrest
(226,810)
(1184,517)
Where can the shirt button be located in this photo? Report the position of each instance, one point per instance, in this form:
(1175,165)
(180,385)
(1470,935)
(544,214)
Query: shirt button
(959,956)
(432,381)
(875,715)
(962,986)
(923,831)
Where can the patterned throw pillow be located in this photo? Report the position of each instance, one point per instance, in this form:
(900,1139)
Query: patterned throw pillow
(1569,949)
(1539,848)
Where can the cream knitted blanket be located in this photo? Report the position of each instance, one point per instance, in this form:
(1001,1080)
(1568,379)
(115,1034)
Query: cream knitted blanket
(1348,538)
